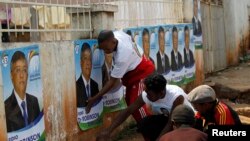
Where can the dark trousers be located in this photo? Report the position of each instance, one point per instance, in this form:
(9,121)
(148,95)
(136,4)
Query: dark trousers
(151,126)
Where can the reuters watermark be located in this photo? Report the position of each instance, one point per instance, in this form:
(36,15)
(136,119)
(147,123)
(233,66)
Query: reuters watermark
(241,132)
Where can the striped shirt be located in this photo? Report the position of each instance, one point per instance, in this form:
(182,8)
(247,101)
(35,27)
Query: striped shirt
(223,115)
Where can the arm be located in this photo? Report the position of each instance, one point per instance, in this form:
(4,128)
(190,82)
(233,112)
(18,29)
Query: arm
(108,86)
(105,134)
(178,101)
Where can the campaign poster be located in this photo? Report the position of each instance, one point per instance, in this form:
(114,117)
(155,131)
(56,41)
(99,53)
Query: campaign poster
(144,37)
(170,48)
(196,21)
(22,92)
(188,54)
(113,100)
(175,53)
(88,61)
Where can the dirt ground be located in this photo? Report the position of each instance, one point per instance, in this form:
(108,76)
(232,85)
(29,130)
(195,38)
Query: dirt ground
(232,86)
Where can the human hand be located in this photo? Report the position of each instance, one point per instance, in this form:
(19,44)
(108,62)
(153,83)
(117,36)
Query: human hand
(90,103)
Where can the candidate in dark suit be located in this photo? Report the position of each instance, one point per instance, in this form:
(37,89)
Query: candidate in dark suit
(14,117)
(176,58)
(197,30)
(188,54)
(162,59)
(21,109)
(146,44)
(85,86)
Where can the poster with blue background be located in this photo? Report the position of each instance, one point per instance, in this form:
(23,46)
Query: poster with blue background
(22,92)
(88,62)
(197,26)
(170,48)
(93,69)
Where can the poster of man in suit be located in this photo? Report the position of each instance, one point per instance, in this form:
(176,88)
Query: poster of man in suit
(197,24)
(171,47)
(188,53)
(88,82)
(196,20)
(162,58)
(114,99)
(146,36)
(85,86)
(23,93)
(176,57)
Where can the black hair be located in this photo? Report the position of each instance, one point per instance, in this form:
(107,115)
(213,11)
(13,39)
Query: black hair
(155,83)
(105,35)
(174,29)
(145,31)
(186,28)
(85,47)
(161,29)
(129,32)
(18,55)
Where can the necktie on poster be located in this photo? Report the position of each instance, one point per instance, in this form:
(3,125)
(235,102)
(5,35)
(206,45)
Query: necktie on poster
(25,116)
(88,93)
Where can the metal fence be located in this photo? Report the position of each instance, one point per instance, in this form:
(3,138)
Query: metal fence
(42,16)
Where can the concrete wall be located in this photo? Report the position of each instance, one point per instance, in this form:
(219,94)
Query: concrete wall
(59,94)
(188,11)
(59,98)
(236,28)
(102,17)
(135,13)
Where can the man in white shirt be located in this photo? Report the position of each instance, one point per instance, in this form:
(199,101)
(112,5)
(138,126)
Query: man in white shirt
(86,87)
(176,58)
(21,109)
(128,66)
(162,99)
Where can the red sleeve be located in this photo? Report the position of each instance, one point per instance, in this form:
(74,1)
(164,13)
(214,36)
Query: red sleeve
(223,115)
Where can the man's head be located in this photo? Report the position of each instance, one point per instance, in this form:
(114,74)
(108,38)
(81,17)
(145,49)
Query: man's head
(161,39)
(146,42)
(203,98)
(19,72)
(195,8)
(187,37)
(86,60)
(155,87)
(107,41)
(182,115)
(175,38)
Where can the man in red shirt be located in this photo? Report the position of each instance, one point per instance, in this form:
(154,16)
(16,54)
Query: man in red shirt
(128,65)
(210,109)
